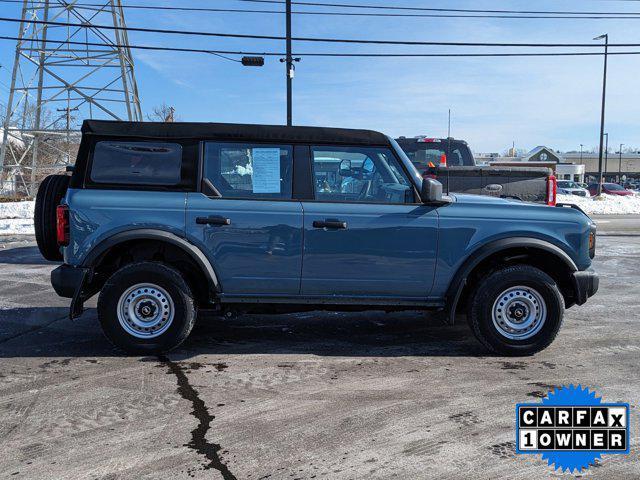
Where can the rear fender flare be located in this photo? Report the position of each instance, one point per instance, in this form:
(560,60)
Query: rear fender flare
(102,248)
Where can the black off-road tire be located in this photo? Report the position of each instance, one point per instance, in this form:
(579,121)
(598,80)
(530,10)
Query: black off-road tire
(491,286)
(51,191)
(160,275)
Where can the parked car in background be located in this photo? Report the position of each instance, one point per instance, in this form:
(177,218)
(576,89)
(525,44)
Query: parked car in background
(452,163)
(609,189)
(633,185)
(567,187)
(164,219)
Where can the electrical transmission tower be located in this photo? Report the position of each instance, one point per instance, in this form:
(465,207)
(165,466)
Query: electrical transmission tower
(62,75)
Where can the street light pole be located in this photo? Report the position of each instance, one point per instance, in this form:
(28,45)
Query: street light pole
(581,153)
(620,164)
(604,37)
(606,156)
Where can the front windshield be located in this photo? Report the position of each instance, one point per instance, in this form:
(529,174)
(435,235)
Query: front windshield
(613,186)
(411,169)
(421,154)
(568,184)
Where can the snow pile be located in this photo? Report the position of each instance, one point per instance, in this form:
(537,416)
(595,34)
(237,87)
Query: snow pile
(608,205)
(16,218)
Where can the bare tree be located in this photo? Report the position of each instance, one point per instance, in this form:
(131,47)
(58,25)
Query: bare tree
(162,113)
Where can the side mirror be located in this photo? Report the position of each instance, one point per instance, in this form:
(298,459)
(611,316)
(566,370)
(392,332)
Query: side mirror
(431,191)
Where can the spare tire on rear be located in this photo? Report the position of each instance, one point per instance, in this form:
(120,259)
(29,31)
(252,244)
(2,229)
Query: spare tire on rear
(51,192)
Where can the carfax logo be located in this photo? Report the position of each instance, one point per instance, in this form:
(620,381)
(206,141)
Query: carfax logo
(572,428)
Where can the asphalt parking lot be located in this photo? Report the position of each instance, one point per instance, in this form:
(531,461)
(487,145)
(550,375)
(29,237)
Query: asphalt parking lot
(317,395)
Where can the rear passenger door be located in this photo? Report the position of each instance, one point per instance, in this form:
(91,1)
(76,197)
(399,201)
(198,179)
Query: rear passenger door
(366,235)
(245,219)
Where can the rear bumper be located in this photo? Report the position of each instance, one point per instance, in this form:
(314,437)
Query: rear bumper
(586,283)
(72,282)
(66,280)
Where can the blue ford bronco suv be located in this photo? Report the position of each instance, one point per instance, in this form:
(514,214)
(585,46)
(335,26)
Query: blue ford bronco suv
(166,219)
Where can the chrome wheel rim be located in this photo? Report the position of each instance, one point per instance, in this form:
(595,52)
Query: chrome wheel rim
(145,310)
(519,313)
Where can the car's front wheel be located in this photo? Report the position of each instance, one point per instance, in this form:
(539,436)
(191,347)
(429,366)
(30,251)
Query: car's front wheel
(516,310)
(146,308)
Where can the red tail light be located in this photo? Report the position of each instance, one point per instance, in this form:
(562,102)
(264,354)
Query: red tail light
(62,225)
(552,191)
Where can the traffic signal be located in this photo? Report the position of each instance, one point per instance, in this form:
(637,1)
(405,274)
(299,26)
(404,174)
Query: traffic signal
(253,61)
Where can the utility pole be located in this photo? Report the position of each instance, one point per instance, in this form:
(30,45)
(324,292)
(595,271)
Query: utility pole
(68,111)
(606,156)
(620,164)
(289,63)
(604,37)
(290,68)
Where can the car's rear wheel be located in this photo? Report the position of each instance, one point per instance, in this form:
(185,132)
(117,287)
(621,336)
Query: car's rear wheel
(146,308)
(51,191)
(516,310)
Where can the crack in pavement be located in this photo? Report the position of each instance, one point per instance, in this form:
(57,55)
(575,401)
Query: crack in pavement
(199,410)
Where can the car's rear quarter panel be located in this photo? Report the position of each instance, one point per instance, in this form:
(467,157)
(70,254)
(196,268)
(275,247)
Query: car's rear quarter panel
(95,215)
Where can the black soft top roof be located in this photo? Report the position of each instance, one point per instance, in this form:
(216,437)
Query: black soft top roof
(234,131)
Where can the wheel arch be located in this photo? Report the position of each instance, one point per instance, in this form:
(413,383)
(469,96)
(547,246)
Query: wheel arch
(536,252)
(124,241)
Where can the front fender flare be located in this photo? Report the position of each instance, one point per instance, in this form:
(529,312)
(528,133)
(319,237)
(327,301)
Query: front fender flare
(459,281)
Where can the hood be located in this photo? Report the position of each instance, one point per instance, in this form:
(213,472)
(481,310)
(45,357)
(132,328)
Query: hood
(519,210)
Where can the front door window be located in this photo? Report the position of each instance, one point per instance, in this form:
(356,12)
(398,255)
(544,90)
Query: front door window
(359,174)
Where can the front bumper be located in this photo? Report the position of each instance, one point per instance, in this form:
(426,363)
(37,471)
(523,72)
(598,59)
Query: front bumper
(586,284)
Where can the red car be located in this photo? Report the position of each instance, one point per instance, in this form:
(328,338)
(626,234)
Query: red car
(609,189)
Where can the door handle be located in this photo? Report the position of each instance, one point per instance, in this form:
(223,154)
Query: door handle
(337,224)
(213,220)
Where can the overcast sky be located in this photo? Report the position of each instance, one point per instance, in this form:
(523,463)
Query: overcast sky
(494,101)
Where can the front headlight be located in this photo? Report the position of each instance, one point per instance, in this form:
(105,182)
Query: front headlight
(592,242)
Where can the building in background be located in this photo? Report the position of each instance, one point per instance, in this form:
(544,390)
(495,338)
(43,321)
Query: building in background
(571,166)
(540,156)
(618,169)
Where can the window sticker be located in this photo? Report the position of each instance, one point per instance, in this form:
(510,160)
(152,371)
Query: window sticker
(266,170)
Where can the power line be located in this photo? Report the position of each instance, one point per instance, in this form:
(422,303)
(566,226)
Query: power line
(320,40)
(497,14)
(425,9)
(152,47)
(346,55)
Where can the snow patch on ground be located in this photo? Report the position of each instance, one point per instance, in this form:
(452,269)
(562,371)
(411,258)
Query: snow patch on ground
(16,218)
(608,205)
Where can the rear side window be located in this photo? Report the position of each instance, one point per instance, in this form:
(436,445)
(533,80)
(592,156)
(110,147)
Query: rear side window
(137,163)
(252,171)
